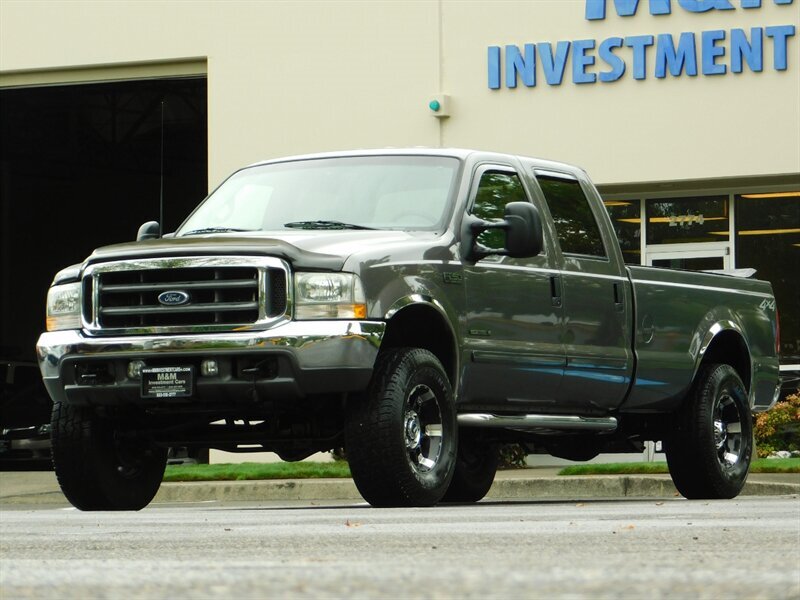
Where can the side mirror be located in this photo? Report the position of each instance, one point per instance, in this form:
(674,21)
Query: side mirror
(524,235)
(149,231)
(523,227)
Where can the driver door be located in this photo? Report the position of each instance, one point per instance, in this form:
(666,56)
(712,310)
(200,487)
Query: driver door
(513,356)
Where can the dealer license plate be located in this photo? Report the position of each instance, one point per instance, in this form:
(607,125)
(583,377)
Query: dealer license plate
(167,382)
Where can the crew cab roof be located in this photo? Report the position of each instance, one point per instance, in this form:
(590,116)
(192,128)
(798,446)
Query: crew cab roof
(459,153)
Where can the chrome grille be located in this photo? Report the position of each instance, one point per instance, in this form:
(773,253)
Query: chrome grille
(184,294)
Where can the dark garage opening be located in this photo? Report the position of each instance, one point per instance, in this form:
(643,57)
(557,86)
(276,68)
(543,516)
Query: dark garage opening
(80,167)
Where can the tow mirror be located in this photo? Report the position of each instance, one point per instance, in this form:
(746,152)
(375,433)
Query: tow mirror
(523,227)
(524,233)
(149,231)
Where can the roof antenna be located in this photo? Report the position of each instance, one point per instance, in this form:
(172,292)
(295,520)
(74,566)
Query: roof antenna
(161,194)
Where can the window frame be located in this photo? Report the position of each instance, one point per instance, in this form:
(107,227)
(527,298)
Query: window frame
(536,172)
(530,194)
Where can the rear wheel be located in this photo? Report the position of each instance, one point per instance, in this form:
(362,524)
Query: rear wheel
(476,467)
(711,443)
(98,468)
(401,437)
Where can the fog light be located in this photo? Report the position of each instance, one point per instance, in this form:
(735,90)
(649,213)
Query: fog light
(209,367)
(135,369)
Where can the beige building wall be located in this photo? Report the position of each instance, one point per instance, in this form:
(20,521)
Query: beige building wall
(297,77)
(625,131)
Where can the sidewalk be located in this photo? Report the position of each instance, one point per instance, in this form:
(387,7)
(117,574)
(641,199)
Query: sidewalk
(39,488)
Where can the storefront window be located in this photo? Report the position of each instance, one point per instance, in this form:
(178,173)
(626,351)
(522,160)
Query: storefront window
(627,221)
(768,240)
(687,220)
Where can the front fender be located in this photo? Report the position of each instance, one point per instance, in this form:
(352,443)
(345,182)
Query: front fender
(392,288)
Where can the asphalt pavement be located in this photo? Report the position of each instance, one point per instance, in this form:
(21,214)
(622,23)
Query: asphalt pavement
(629,548)
(42,488)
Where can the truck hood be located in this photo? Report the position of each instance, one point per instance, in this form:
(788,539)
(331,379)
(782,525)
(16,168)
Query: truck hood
(305,249)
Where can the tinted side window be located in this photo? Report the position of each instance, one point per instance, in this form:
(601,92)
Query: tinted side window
(578,232)
(495,190)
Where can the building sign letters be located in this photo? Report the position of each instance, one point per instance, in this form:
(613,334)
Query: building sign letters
(712,52)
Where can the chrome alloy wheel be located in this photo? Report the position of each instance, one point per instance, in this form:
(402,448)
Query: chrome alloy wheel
(711,444)
(727,431)
(422,428)
(402,436)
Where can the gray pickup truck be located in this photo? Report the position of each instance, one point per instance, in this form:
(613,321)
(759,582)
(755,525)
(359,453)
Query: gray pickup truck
(418,308)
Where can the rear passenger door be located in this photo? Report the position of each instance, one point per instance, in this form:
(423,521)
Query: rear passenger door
(595,295)
(513,357)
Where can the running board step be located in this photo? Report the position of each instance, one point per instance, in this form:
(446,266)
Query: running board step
(567,422)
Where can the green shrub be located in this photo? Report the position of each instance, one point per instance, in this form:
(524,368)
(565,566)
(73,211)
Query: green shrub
(779,428)
(512,456)
(339,455)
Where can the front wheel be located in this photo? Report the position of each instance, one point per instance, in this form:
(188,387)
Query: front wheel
(711,443)
(401,437)
(97,467)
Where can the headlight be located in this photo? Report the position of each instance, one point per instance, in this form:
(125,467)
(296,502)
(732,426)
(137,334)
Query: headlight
(329,296)
(64,307)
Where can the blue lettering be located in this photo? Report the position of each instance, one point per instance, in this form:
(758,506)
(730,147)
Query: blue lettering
(515,63)
(553,66)
(596,9)
(711,51)
(674,56)
(757,3)
(780,33)
(743,50)
(580,61)
(612,60)
(639,43)
(685,57)
(494,67)
(700,6)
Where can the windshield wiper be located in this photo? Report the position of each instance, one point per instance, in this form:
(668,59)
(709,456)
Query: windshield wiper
(324,225)
(214,230)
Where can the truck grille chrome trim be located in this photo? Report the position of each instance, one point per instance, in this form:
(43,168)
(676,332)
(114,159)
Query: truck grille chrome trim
(185,295)
(559,422)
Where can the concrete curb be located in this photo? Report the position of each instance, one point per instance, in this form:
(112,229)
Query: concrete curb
(261,490)
(615,486)
(510,488)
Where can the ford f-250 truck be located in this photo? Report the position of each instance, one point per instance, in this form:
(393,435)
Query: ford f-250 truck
(418,308)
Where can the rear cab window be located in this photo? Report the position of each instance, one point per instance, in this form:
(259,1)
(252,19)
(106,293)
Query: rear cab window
(575,223)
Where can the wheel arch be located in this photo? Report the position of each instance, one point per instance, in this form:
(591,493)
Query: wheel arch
(724,343)
(421,322)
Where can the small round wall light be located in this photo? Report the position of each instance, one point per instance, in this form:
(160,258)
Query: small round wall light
(439,105)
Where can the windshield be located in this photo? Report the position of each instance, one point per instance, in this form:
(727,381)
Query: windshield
(365,192)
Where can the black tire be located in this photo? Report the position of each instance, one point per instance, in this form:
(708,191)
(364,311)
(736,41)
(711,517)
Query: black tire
(95,470)
(476,466)
(401,436)
(711,443)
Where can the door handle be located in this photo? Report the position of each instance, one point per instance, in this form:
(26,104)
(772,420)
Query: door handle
(619,297)
(555,290)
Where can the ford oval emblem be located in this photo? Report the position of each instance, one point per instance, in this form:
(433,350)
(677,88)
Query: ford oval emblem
(173,298)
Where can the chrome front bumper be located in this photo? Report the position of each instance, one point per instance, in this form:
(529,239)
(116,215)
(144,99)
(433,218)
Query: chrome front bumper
(315,357)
